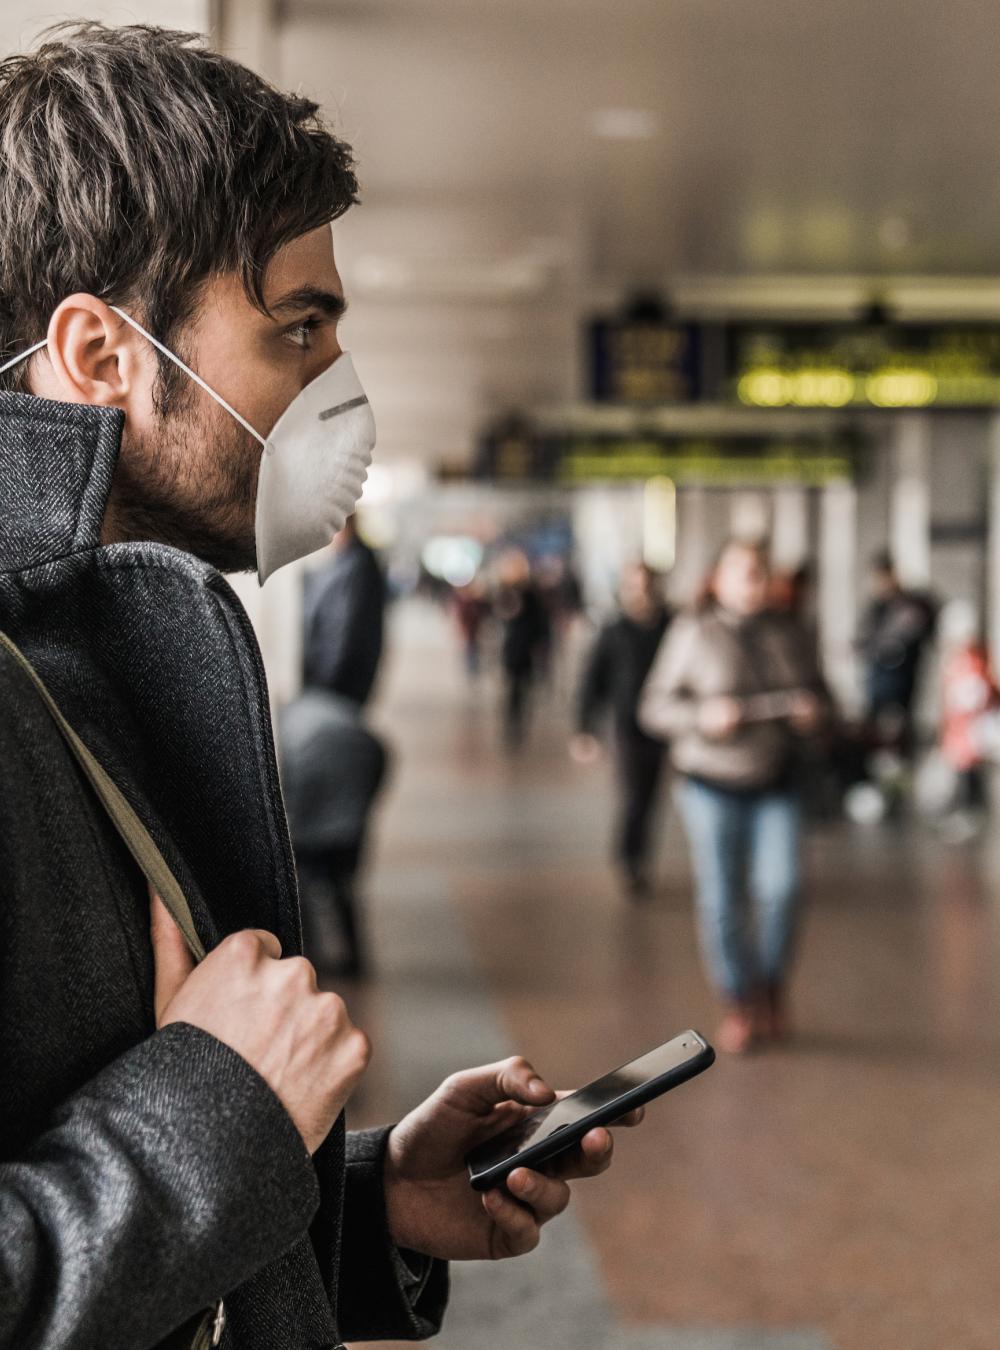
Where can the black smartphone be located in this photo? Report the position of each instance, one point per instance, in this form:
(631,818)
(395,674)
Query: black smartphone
(553,1129)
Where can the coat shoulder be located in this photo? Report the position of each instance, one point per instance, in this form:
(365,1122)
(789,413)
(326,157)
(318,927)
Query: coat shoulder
(27,730)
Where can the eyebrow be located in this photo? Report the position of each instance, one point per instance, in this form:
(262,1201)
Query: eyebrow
(331,304)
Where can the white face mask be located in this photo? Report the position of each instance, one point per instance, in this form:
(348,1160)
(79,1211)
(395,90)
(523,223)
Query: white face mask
(314,462)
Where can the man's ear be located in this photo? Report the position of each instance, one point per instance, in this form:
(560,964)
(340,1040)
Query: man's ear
(94,355)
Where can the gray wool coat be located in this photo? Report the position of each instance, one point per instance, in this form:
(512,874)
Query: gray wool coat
(144,1174)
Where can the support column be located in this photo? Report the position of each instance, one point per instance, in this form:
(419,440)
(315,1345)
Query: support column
(790,526)
(247,30)
(694,544)
(275,611)
(910,503)
(749,515)
(991,600)
(837,596)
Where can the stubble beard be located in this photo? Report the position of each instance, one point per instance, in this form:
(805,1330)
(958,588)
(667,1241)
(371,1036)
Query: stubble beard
(190,483)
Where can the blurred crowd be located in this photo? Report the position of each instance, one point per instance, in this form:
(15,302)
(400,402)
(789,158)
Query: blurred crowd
(726,698)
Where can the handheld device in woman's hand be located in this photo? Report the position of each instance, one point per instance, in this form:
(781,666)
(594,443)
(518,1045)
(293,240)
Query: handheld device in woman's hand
(543,1134)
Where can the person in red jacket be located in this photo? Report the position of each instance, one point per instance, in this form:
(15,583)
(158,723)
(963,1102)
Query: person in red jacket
(968,692)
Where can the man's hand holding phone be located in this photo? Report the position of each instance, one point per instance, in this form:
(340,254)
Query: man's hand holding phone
(302,1042)
(431,1206)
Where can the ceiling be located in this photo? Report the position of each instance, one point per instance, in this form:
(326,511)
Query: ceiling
(788,135)
(822,142)
(800,154)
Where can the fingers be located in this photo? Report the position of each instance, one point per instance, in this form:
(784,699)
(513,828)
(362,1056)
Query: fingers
(515,1228)
(172,959)
(516,1080)
(479,1090)
(590,1158)
(518,1213)
(630,1119)
(254,942)
(547,1196)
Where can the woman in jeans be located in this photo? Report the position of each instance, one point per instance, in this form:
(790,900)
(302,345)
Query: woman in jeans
(732,687)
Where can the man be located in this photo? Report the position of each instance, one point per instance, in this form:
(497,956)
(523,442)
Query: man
(526,635)
(895,634)
(344,613)
(333,765)
(172,1136)
(612,679)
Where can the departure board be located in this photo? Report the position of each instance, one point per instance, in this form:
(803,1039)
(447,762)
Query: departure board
(643,362)
(856,365)
(576,459)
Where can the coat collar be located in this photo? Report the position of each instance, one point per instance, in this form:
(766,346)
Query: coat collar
(57,463)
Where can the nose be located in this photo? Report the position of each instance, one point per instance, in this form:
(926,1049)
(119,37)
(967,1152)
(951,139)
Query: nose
(331,355)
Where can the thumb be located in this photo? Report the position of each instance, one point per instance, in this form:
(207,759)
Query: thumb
(512,1079)
(172,959)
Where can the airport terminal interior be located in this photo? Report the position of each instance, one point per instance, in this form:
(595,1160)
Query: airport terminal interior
(649,290)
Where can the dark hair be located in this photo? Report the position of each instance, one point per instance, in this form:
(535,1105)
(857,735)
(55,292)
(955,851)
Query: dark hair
(883,561)
(135,164)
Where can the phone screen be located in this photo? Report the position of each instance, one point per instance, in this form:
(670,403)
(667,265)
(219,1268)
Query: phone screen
(543,1124)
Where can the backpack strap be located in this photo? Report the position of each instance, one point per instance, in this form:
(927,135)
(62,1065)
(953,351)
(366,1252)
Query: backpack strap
(136,837)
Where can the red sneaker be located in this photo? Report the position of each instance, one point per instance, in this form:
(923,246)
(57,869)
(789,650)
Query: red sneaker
(734,1034)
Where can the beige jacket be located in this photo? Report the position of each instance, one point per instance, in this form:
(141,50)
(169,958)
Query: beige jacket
(711,652)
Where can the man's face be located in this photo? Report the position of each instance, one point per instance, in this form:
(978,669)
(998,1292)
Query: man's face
(637,594)
(188,471)
(884,583)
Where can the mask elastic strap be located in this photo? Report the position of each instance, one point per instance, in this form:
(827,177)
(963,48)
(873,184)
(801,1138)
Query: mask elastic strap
(187,371)
(23,356)
(16,360)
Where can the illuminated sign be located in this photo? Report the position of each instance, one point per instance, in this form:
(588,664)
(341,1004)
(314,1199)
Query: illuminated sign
(864,366)
(643,362)
(722,463)
(512,449)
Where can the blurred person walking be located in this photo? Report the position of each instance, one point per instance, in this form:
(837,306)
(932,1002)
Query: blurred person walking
(344,619)
(613,677)
(526,635)
(472,609)
(733,686)
(970,699)
(895,635)
(793,593)
(332,764)
(561,595)
(332,769)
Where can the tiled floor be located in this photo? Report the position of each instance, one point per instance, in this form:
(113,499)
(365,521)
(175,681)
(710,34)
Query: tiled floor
(840,1195)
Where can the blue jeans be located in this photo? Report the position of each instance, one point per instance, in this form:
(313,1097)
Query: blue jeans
(744,842)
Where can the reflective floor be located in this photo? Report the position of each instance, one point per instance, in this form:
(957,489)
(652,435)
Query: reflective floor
(839,1195)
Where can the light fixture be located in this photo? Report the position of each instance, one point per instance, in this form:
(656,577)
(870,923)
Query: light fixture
(624,124)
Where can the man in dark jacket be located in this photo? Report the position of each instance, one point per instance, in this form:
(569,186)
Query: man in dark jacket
(613,677)
(171,1135)
(332,763)
(344,606)
(895,634)
(526,634)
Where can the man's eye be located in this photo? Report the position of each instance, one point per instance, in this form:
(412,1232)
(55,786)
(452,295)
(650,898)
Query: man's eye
(302,333)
